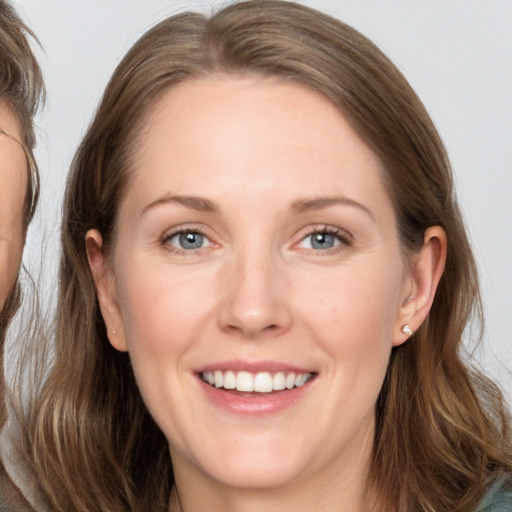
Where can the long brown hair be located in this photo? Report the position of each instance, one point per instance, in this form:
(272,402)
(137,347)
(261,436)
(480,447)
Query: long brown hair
(22,91)
(442,431)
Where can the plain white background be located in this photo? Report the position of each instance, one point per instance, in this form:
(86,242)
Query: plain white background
(457,54)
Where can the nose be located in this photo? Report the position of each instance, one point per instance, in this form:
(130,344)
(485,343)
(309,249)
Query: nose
(255,300)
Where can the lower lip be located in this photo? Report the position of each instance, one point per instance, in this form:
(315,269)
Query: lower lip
(254,404)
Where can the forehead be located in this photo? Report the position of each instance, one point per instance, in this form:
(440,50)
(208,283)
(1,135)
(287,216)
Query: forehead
(252,135)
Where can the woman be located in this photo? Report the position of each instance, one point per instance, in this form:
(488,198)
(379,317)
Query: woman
(264,285)
(21,90)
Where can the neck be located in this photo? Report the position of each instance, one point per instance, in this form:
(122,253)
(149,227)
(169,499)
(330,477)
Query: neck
(342,499)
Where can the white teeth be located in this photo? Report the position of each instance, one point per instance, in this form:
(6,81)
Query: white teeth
(219,378)
(279,381)
(262,382)
(229,380)
(208,377)
(300,379)
(244,382)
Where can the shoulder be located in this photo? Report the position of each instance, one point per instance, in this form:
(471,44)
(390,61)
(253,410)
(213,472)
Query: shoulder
(498,497)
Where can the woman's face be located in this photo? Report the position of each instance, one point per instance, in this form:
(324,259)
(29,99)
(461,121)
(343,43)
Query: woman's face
(256,250)
(13,183)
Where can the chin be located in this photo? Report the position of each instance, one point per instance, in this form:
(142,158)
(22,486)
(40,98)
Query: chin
(256,475)
(252,463)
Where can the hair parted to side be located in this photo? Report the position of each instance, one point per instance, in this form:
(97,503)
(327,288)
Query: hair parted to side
(442,430)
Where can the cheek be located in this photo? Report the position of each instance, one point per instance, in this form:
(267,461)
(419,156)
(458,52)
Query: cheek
(352,312)
(352,322)
(11,239)
(10,258)
(162,311)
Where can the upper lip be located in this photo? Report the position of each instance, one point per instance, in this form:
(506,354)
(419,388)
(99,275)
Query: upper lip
(239,365)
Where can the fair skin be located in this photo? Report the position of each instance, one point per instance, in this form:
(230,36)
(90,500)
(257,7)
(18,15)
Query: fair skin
(256,236)
(13,183)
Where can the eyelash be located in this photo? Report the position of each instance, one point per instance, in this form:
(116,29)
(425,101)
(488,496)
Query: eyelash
(344,239)
(341,236)
(166,238)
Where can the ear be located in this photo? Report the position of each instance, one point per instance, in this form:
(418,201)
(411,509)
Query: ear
(427,267)
(104,280)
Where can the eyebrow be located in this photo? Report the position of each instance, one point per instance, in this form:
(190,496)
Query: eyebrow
(300,206)
(194,203)
(319,203)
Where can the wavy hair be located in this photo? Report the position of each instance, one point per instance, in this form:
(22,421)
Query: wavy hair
(442,429)
(22,91)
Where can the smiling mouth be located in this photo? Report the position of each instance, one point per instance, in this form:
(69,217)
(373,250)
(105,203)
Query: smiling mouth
(261,382)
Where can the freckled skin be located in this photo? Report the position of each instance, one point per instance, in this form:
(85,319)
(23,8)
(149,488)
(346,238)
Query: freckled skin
(256,289)
(13,182)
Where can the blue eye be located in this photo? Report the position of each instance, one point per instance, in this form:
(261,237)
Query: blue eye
(322,240)
(188,240)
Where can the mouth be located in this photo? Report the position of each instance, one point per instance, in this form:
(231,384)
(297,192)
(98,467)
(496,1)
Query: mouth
(255,388)
(260,382)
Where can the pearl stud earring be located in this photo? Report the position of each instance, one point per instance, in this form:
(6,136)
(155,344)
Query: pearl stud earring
(407,330)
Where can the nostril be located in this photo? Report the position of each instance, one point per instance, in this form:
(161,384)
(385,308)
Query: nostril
(251,313)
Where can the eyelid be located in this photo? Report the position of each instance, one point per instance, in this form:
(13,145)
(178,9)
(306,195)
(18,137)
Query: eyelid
(170,233)
(202,238)
(344,237)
